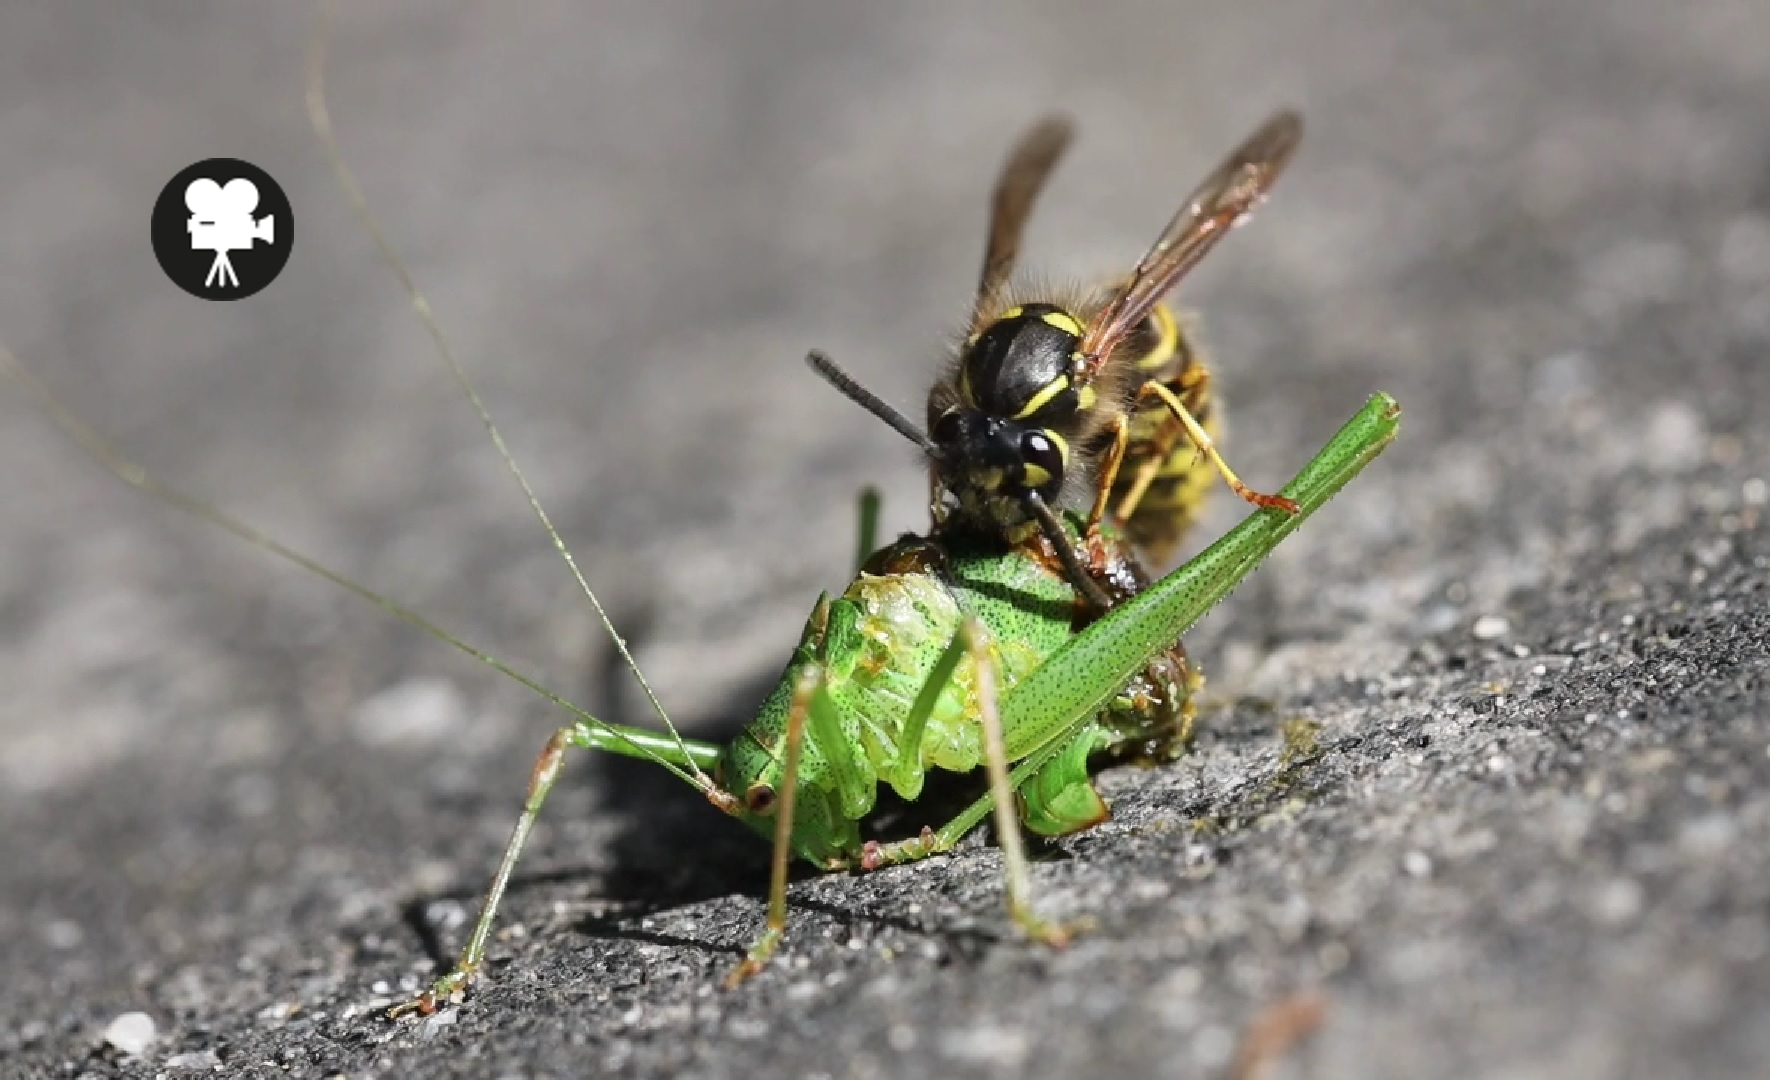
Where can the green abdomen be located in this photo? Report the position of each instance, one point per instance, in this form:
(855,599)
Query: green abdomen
(886,633)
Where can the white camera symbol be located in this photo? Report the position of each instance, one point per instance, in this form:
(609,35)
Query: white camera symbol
(221,221)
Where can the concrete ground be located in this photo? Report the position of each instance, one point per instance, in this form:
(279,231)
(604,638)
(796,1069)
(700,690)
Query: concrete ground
(1521,828)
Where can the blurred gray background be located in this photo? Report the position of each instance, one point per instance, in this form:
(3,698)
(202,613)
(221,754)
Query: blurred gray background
(255,808)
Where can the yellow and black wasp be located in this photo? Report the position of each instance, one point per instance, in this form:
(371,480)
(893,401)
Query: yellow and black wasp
(1095,396)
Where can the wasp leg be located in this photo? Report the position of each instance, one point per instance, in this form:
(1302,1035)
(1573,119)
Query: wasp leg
(1109,470)
(1209,448)
(937,510)
(1194,380)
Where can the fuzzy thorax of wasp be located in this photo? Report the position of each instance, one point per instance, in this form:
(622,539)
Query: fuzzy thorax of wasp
(1017,417)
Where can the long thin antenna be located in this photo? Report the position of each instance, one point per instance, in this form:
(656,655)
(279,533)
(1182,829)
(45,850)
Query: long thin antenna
(140,479)
(870,401)
(321,119)
(1066,553)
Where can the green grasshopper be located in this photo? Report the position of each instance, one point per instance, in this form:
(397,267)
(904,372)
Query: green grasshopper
(957,652)
(967,658)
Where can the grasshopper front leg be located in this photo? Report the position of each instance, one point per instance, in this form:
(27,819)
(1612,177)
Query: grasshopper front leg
(808,693)
(995,758)
(972,639)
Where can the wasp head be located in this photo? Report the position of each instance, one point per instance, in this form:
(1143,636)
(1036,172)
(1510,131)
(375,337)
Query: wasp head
(1006,431)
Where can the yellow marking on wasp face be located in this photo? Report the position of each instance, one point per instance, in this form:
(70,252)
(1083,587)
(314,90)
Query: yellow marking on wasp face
(1062,445)
(1085,398)
(1043,397)
(1014,312)
(1063,321)
(1167,339)
(1036,476)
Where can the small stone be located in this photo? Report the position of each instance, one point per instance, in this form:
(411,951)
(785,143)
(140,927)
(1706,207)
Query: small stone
(1212,1047)
(1182,982)
(1709,837)
(442,1019)
(131,1033)
(1677,436)
(1417,864)
(434,1024)
(1333,957)
(417,712)
(1491,628)
(1000,1046)
(63,934)
(200,1060)
(1617,902)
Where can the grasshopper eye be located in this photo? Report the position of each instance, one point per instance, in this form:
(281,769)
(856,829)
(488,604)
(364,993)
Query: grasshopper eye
(760,799)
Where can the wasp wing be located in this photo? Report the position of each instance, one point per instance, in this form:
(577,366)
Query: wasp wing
(1023,176)
(1218,204)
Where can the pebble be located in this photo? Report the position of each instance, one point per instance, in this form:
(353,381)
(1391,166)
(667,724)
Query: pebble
(1617,902)
(131,1033)
(1491,628)
(417,712)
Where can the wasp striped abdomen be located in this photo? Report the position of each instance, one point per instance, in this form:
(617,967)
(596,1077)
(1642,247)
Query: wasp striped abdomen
(1162,483)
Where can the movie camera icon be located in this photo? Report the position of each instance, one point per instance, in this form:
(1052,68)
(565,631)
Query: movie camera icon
(221,221)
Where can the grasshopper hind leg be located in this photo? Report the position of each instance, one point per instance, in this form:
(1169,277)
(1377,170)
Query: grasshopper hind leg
(541,779)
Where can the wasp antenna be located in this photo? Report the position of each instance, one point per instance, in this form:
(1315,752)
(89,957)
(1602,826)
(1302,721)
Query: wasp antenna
(321,119)
(1066,552)
(870,401)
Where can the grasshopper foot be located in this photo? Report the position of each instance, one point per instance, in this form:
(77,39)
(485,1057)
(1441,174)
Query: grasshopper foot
(425,1003)
(759,955)
(874,854)
(1055,934)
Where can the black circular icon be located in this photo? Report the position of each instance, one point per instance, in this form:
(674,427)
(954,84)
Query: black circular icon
(222,229)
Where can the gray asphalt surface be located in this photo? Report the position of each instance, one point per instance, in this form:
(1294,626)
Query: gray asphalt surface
(255,809)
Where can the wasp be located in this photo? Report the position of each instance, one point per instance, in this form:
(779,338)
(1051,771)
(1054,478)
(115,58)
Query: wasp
(1095,399)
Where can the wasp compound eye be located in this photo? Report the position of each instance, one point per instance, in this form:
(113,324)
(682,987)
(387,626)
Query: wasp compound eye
(1042,457)
(760,800)
(949,429)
